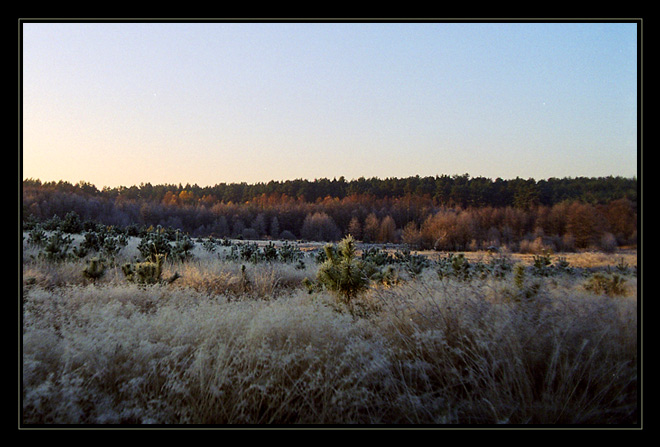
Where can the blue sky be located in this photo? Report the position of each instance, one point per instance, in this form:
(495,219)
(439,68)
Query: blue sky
(129,103)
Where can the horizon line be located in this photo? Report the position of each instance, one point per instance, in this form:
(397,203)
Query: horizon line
(335,178)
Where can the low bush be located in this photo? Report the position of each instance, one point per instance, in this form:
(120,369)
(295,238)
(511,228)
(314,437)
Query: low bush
(608,284)
(148,272)
(342,272)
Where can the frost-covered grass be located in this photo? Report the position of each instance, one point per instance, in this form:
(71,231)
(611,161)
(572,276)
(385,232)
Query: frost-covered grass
(213,349)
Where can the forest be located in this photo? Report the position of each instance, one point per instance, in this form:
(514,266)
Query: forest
(442,212)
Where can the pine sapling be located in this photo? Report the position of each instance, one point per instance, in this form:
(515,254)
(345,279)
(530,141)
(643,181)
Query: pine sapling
(148,273)
(342,273)
(95,269)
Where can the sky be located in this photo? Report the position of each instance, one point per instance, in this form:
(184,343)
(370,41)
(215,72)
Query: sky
(120,104)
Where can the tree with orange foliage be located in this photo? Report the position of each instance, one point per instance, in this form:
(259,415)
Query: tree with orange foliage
(186,197)
(585,224)
(371,228)
(387,230)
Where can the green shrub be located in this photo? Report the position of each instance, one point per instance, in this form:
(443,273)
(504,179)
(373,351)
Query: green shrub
(248,251)
(95,269)
(499,266)
(623,267)
(37,237)
(154,244)
(456,266)
(290,253)
(80,251)
(92,241)
(209,244)
(181,250)
(71,223)
(413,264)
(269,252)
(57,247)
(112,245)
(342,273)
(525,289)
(542,264)
(148,272)
(562,266)
(375,256)
(519,276)
(607,284)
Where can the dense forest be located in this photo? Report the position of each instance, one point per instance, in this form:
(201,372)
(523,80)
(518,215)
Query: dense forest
(443,212)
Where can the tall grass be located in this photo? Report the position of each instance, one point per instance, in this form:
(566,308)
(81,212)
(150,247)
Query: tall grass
(213,348)
(563,358)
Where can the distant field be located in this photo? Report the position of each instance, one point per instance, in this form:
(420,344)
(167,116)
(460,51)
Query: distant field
(234,342)
(584,259)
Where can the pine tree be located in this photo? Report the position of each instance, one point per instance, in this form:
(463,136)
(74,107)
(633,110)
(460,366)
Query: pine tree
(342,273)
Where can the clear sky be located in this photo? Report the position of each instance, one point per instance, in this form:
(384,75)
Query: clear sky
(205,103)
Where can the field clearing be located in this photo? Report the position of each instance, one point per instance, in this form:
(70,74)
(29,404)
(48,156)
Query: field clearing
(225,345)
(582,258)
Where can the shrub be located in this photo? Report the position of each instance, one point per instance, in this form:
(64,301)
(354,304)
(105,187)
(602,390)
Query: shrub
(154,244)
(249,251)
(457,266)
(290,253)
(180,251)
(148,272)
(269,252)
(622,267)
(413,264)
(95,269)
(80,251)
(525,290)
(342,273)
(91,241)
(112,245)
(610,285)
(375,256)
(542,264)
(37,237)
(101,240)
(562,266)
(499,266)
(57,247)
(209,244)
(71,223)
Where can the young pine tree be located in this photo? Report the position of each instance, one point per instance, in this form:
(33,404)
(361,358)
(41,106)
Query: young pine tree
(342,273)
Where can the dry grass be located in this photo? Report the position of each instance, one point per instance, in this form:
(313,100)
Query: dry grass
(582,259)
(210,350)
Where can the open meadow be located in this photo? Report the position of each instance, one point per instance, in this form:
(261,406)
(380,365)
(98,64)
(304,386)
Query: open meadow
(227,335)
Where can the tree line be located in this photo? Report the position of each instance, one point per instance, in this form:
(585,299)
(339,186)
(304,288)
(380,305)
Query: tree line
(456,190)
(442,212)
